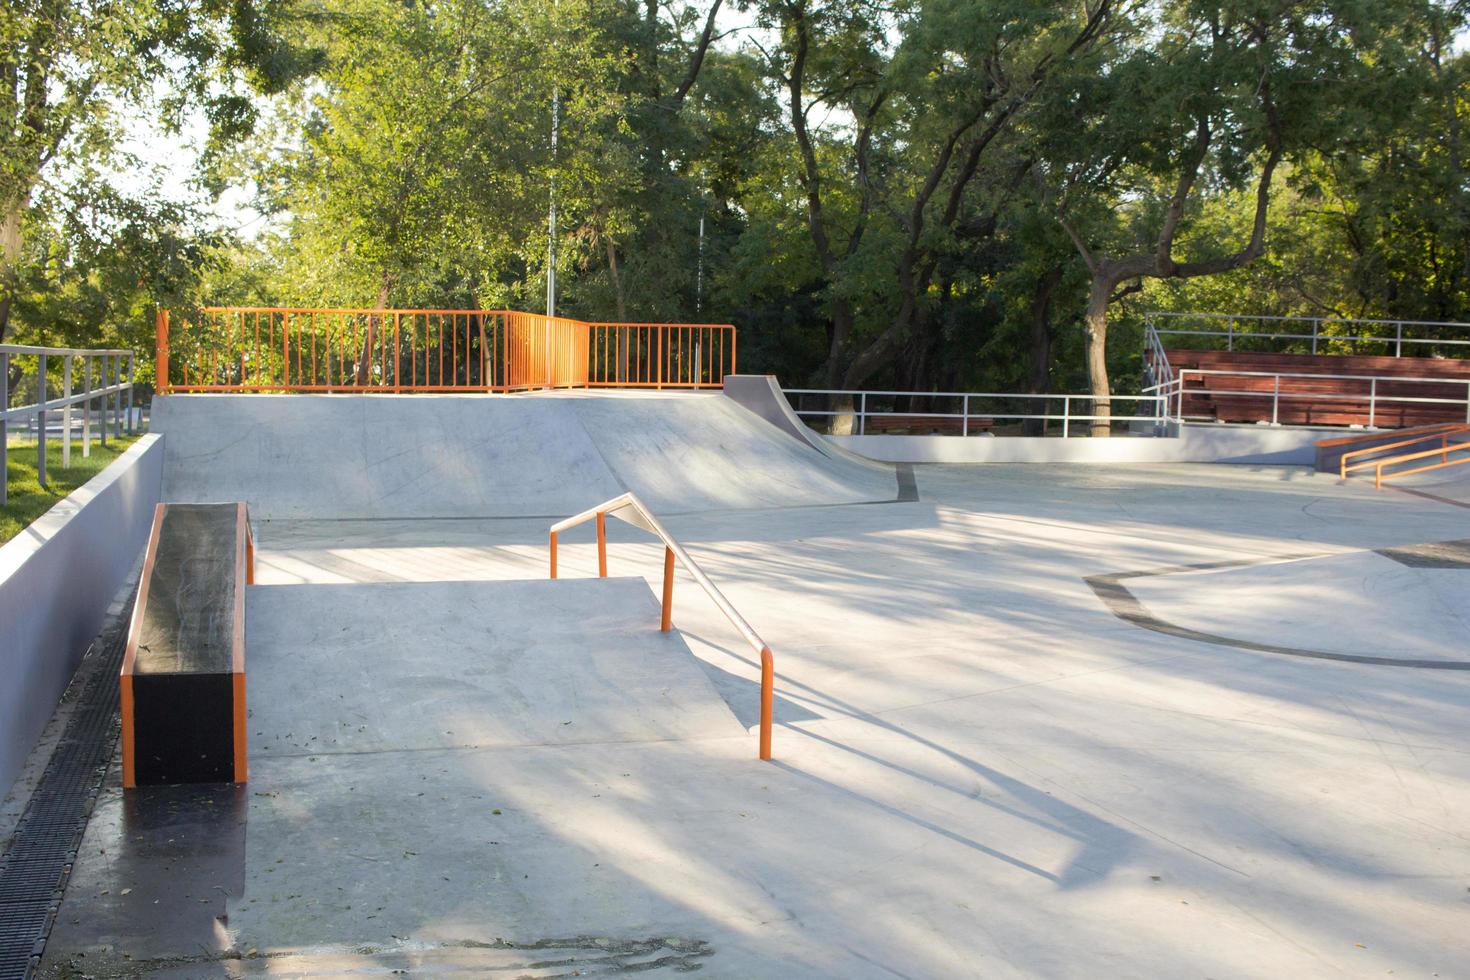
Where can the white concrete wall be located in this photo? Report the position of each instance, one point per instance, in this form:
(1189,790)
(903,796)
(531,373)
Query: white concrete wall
(57,578)
(1194,444)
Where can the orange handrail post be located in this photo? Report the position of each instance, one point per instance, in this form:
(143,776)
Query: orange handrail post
(627,507)
(160,356)
(601,544)
(668,606)
(768,697)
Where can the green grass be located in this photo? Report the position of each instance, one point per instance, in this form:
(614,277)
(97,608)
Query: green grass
(27,501)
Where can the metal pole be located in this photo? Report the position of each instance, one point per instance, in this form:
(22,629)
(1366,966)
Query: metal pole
(117,428)
(1066,416)
(1398,350)
(1276,401)
(66,412)
(102,399)
(86,406)
(1316,324)
(965,411)
(132,367)
(5,425)
(699,272)
(862,413)
(41,423)
(1372,402)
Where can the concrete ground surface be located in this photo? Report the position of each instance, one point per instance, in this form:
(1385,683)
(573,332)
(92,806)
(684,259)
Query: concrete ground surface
(980,769)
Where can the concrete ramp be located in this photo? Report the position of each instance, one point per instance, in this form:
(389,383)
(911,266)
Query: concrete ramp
(443,665)
(533,455)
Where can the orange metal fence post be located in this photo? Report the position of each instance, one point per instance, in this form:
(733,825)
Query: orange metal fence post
(601,545)
(553,554)
(668,619)
(768,679)
(160,359)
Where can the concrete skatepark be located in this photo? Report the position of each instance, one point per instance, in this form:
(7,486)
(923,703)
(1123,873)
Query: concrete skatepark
(983,767)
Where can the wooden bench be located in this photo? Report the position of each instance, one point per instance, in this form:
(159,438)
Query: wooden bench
(183,674)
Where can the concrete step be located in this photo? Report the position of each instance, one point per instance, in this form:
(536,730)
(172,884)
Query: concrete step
(438,665)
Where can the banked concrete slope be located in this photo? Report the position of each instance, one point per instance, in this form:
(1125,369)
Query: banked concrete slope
(542,454)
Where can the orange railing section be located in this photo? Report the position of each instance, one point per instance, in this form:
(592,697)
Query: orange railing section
(284,349)
(1444,450)
(628,508)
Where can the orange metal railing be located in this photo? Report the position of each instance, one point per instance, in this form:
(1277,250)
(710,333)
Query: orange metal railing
(284,349)
(627,507)
(1444,450)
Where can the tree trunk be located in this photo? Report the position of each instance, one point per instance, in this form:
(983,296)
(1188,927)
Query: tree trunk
(1039,380)
(1095,332)
(10,242)
(617,280)
(365,362)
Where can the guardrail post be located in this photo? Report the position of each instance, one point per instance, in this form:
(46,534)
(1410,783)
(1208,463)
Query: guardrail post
(965,412)
(102,399)
(1066,416)
(1372,402)
(86,406)
(1230,335)
(1276,401)
(4,426)
(601,544)
(160,359)
(117,398)
(1316,326)
(1398,349)
(66,412)
(41,422)
(862,413)
(132,366)
(668,613)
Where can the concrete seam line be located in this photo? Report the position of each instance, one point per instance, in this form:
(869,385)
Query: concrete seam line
(1123,604)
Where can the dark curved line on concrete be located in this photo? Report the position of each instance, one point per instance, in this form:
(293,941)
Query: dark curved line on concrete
(1126,606)
(1429,496)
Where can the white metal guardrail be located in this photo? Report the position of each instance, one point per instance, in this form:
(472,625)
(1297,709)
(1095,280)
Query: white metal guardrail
(1176,390)
(873,412)
(1393,334)
(111,398)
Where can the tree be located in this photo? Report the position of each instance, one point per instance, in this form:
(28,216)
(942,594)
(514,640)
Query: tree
(66,67)
(1208,98)
(920,121)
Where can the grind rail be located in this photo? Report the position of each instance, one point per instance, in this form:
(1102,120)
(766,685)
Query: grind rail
(629,509)
(1444,451)
(291,349)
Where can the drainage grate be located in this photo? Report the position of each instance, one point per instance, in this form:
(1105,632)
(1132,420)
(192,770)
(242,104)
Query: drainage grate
(33,873)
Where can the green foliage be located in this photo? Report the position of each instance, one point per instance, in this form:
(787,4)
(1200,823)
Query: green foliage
(892,221)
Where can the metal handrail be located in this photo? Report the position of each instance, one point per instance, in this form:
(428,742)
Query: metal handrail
(246,349)
(862,413)
(1443,453)
(1442,433)
(1316,336)
(1177,389)
(629,509)
(111,395)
